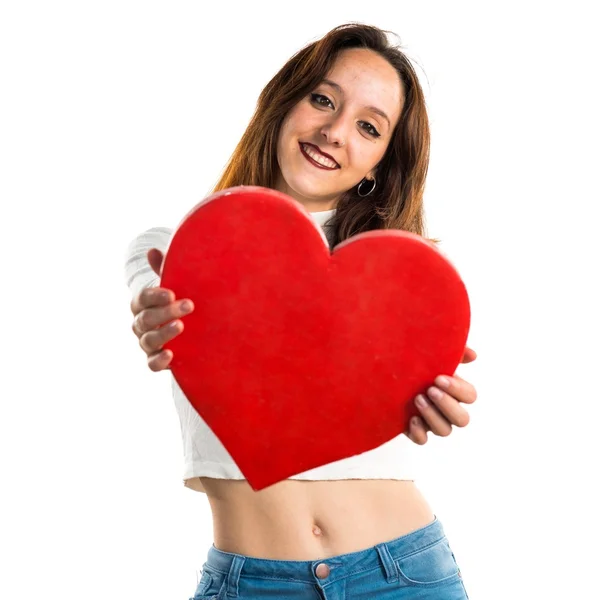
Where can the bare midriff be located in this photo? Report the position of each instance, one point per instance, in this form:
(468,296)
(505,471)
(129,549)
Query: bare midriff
(311,520)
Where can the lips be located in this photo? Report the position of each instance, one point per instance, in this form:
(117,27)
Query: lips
(316,148)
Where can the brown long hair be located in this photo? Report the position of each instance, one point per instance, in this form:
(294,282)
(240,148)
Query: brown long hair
(397,201)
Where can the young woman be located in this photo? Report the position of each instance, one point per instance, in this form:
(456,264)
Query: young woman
(342,128)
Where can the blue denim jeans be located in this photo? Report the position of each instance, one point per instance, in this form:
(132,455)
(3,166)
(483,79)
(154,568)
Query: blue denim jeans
(419,566)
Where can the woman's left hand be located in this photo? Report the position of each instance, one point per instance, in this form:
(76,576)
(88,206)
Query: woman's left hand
(441,408)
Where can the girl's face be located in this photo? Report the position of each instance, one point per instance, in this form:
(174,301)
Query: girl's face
(350,117)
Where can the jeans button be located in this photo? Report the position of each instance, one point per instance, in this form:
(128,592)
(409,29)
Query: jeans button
(322,571)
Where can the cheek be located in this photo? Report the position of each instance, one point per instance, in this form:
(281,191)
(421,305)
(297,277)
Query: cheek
(291,131)
(286,134)
(300,120)
(283,140)
(369,158)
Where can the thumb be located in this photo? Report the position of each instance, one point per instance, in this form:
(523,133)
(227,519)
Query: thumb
(155,258)
(469,355)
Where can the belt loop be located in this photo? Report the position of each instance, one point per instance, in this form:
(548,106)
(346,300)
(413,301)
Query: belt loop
(389,566)
(233,577)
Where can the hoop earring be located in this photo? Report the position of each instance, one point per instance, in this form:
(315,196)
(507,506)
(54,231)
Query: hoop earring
(363,181)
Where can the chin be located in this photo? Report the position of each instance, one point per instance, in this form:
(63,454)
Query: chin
(314,193)
(301,183)
(314,188)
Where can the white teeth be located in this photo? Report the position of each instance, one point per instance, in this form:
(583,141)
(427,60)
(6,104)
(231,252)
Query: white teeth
(319,157)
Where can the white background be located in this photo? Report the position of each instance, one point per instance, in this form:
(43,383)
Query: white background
(119,116)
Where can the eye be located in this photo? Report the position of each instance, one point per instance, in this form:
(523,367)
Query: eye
(372,131)
(321,100)
(317,99)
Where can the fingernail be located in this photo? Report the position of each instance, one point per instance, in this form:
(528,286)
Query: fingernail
(443,382)
(416,421)
(421,402)
(434,393)
(186,306)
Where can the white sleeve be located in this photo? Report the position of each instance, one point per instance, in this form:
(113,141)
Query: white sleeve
(138,272)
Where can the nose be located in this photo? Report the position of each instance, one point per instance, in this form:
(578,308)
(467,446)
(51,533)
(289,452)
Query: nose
(334,131)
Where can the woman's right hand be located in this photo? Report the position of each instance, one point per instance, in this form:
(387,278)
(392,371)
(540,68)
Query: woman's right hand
(156,317)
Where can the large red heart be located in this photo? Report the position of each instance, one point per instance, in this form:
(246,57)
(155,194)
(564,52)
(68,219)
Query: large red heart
(296,356)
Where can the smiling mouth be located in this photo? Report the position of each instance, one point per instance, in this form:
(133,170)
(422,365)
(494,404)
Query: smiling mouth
(317,158)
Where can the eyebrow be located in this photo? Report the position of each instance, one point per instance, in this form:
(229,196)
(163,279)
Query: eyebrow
(374,109)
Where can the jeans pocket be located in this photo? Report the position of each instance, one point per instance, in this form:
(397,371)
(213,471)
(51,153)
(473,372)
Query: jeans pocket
(210,584)
(429,567)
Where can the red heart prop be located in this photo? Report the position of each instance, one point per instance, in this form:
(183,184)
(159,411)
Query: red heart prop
(296,356)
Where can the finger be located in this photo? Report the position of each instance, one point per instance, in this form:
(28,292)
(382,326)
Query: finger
(469,355)
(438,424)
(151,318)
(448,407)
(150,297)
(457,387)
(160,360)
(153,341)
(155,259)
(417,431)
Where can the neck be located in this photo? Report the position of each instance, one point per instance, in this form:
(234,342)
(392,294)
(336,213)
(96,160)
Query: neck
(315,207)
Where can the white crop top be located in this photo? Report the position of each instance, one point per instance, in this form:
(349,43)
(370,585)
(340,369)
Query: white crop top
(204,455)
